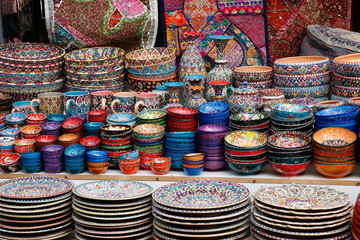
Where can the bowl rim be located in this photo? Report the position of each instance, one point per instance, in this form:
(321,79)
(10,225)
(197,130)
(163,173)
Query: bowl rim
(323,129)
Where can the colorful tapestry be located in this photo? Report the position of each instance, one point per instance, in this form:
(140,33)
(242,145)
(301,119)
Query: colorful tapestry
(243,19)
(287,21)
(128,24)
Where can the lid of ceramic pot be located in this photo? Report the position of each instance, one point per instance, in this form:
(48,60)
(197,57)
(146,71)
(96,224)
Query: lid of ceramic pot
(245,89)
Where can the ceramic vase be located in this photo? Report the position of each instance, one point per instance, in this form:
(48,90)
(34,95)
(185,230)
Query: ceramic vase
(174,89)
(192,65)
(196,99)
(217,91)
(163,95)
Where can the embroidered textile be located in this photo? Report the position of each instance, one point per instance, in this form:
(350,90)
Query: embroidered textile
(287,21)
(243,19)
(128,24)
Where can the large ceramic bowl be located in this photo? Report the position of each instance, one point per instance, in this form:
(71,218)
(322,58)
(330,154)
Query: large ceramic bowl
(301,65)
(289,141)
(290,170)
(213,108)
(14,68)
(32,54)
(327,104)
(95,56)
(257,85)
(346,81)
(347,65)
(150,56)
(153,76)
(314,91)
(348,92)
(243,139)
(337,114)
(302,80)
(30,78)
(334,137)
(91,76)
(252,73)
(152,68)
(335,170)
(290,111)
(181,112)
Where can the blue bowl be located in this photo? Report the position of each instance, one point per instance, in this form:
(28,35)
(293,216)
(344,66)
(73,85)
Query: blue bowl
(11,132)
(6,147)
(130,156)
(215,107)
(75,164)
(177,164)
(180,150)
(118,118)
(149,143)
(56,118)
(180,145)
(77,150)
(32,169)
(14,118)
(290,111)
(75,160)
(31,155)
(217,115)
(97,156)
(93,125)
(180,135)
(193,171)
(342,113)
(179,141)
(31,163)
(75,169)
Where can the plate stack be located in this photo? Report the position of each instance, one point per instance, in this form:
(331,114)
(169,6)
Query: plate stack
(150,67)
(201,209)
(356,219)
(291,117)
(216,112)
(35,208)
(149,140)
(259,77)
(211,144)
(301,212)
(245,151)
(304,76)
(343,117)
(29,69)
(289,153)
(116,140)
(152,116)
(177,144)
(259,121)
(182,119)
(346,77)
(112,210)
(95,69)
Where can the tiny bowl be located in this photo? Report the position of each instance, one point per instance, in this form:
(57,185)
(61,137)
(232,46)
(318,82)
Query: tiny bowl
(290,170)
(54,167)
(193,171)
(10,168)
(97,164)
(98,170)
(160,162)
(130,155)
(289,140)
(129,169)
(93,126)
(193,157)
(11,132)
(16,118)
(7,142)
(97,156)
(215,107)
(36,117)
(115,129)
(53,150)
(90,141)
(181,112)
(69,138)
(160,170)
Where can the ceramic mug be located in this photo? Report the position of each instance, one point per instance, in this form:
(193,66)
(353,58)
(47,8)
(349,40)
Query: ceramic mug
(123,102)
(101,100)
(146,101)
(49,103)
(24,107)
(77,102)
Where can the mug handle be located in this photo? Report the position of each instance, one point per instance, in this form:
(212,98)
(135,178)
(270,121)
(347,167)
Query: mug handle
(113,103)
(103,103)
(68,102)
(32,104)
(15,110)
(137,105)
(230,92)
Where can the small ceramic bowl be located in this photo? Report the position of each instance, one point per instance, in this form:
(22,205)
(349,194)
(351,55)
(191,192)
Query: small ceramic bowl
(129,169)
(32,169)
(45,140)
(252,73)
(56,118)
(90,141)
(214,165)
(247,168)
(15,118)
(98,170)
(72,123)
(97,156)
(181,112)
(334,137)
(160,162)
(160,170)
(116,129)
(290,170)
(128,163)
(75,151)
(193,171)
(335,170)
(193,165)
(193,157)
(97,164)
(25,143)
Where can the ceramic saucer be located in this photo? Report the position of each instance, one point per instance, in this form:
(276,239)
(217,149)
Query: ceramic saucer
(122,218)
(36,206)
(141,235)
(128,231)
(110,209)
(122,213)
(33,211)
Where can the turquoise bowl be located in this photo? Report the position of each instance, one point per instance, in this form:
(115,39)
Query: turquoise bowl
(292,111)
(31,168)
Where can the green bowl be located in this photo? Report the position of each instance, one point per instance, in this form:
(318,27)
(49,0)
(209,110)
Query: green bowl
(246,168)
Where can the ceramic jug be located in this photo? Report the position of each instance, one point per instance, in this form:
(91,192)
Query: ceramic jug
(244,99)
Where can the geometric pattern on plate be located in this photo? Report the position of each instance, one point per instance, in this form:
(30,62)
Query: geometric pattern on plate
(201,194)
(34,187)
(302,197)
(113,190)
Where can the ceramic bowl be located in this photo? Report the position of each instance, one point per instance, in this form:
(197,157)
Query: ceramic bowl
(290,170)
(56,118)
(97,164)
(181,112)
(30,78)
(72,123)
(194,156)
(347,65)
(313,91)
(129,169)
(31,169)
(334,170)
(15,118)
(53,149)
(289,159)
(75,151)
(30,130)
(10,132)
(149,129)
(327,104)
(348,92)
(121,118)
(94,76)
(25,143)
(215,107)
(342,113)
(302,80)
(289,141)
(245,140)
(193,171)
(252,73)
(75,169)
(301,65)
(90,141)
(116,129)
(130,155)
(129,163)
(98,170)
(160,162)
(250,118)
(54,167)
(346,81)
(97,156)
(160,170)
(68,138)
(152,68)
(45,140)
(150,56)
(290,111)
(95,56)
(93,126)
(334,137)
(162,76)
(247,168)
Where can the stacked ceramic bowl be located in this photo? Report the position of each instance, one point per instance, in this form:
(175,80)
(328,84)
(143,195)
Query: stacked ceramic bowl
(91,143)
(216,112)
(211,144)
(31,162)
(2,121)
(51,128)
(28,69)
(193,163)
(356,219)
(15,120)
(129,163)
(98,115)
(152,116)
(346,77)
(149,140)
(113,209)
(93,129)
(44,140)
(316,218)
(289,153)
(95,69)
(53,158)
(6,145)
(291,117)
(10,163)
(74,126)
(258,121)
(204,214)
(30,132)
(56,118)
(272,96)
(343,117)
(42,213)
(11,132)
(24,145)
(160,166)
(150,67)
(69,139)
(259,77)
(116,140)
(182,119)
(36,119)
(97,161)
(245,151)
(184,142)
(122,118)
(335,152)
(74,159)
(304,76)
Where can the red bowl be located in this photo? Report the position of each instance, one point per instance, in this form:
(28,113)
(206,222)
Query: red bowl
(45,139)
(289,170)
(72,124)
(171,129)
(98,112)
(36,117)
(129,169)
(181,112)
(117,154)
(11,159)
(90,141)
(249,153)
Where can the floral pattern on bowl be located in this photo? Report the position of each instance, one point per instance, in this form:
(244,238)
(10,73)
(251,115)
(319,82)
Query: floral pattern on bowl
(245,139)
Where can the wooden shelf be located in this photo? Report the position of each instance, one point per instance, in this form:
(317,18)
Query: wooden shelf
(266,176)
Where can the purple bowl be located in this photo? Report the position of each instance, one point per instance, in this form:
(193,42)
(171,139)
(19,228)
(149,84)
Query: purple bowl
(212,136)
(193,162)
(54,168)
(214,158)
(214,165)
(53,149)
(212,152)
(51,126)
(53,155)
(214,148)
(207,143)
(53,160)
(212,128)
(82,117)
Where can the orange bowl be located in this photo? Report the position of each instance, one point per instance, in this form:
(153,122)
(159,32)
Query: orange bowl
(194,156)
(193,165)
(98,170)
(160,162)
(340,154)
(129,163)
(129,169)
(334,171)
(160,170)
(97,164)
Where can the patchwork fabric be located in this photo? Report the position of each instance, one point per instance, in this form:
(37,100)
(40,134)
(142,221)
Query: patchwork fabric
(128,24)
(243,19)
(288,19)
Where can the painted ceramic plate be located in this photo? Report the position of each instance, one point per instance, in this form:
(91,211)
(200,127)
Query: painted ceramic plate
(26,228)
(29,202)
(245,139)
(152,114)
(36,221)
(121,218)
(123,204)
(33,216)
(33,211)
(80,237)
(37,206)
(36,231)
(302,197)
(121,117)
(201,194)
(55,235)
(114,232)
(86,234)
(113,190)
(121,213)
(110,209)
(34,187)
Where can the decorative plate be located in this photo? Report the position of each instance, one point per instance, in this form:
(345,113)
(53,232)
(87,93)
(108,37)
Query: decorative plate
(64,225)
(114,237)
(289,140)
(25,228)
(114,232)
(36,221)
(36,205)
(246,139)
(201,194)
(117,218)
(113,190)
(33,216)
(35,187)
(54,235)
(98,213)
(302,197)
(35,211)
(152,114)
(79,204)
(243,235)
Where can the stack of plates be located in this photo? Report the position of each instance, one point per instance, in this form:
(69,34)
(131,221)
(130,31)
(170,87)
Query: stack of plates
(152,116)
(356,219)
(258,121)
(201,209)
(182,119)
(112,210)
(301,212)
(35,208)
